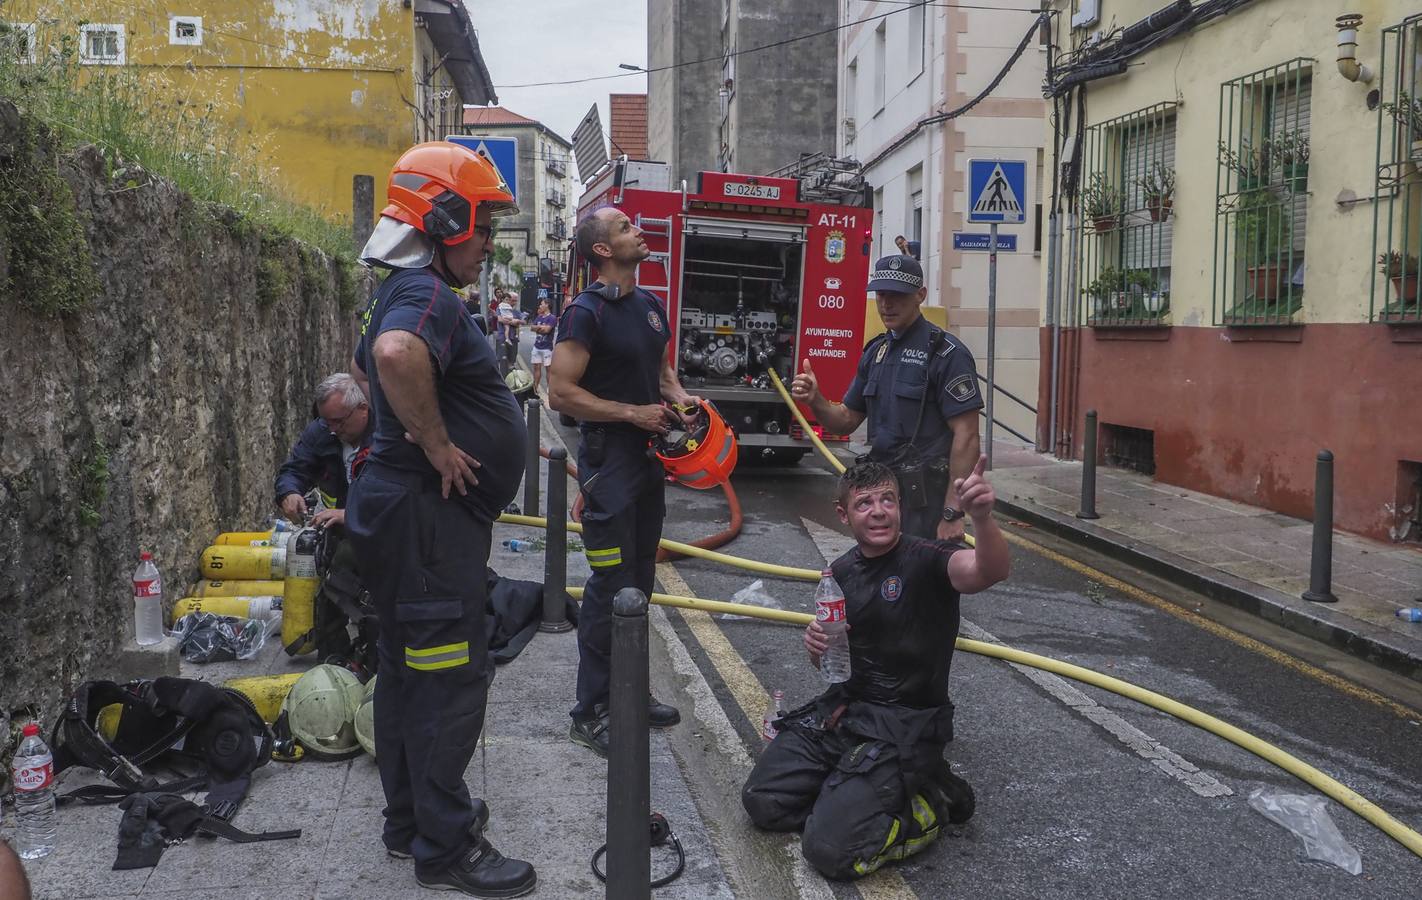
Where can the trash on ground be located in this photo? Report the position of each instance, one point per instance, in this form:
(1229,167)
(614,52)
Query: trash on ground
(753,594)
(208,637)
(1307,817)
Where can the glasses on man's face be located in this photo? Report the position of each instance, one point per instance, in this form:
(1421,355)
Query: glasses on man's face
(333,424)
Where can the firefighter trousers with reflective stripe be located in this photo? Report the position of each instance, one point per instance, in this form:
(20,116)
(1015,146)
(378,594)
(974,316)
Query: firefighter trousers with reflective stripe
(424,561)
(621,549)
(848,794)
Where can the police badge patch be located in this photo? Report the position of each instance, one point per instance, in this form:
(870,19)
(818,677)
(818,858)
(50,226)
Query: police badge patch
(963,388)
(653,321)
(892,588)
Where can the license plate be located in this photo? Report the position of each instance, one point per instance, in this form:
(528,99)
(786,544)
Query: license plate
(754,191)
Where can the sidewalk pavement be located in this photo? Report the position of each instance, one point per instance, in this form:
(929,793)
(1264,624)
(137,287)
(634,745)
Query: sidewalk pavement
(1250,558)
(548,799)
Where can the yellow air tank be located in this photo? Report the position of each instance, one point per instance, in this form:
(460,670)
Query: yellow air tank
(298,614)
(247,563)
(267,692)
(242,607)
(273,537)
(238,589)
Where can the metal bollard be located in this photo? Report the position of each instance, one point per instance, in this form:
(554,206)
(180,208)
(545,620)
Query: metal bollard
(629,777)
(1320,571)
(535,462)
(1088,470)
(555,548)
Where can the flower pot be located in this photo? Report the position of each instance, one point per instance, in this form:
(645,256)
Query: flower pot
(1098,306)
(1405,287)
(1159,208)
(1120,300)
(1154,301)
(1103,224)
(1296,176)
(1249,183)
(1264,281)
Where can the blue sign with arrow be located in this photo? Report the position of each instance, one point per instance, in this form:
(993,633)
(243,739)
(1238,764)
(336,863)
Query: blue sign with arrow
(501,151)
(997,189)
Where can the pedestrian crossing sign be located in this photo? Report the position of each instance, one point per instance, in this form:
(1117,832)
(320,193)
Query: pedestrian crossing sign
(997,189)
(501,151)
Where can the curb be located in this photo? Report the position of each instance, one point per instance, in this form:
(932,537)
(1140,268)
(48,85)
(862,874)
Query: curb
(1371,643)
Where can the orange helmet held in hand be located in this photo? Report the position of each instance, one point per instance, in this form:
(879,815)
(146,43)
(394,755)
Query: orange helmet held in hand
(703,457)
(436,188)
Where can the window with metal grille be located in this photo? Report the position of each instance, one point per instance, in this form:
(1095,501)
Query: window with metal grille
(1127,199)
(17,41)
(1397,214)
(101,44)
(1261,209)
(185,30)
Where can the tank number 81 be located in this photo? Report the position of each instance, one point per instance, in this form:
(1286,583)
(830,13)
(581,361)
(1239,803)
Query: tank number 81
(831,301)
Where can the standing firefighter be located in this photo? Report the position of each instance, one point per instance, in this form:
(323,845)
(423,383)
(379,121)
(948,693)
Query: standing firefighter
(861,769)
(918,387)
(611,371)
(446,458)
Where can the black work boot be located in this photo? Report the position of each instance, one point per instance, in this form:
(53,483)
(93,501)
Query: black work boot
(956,793)
(483,872)
(476,828)
(661,715)
(592,733)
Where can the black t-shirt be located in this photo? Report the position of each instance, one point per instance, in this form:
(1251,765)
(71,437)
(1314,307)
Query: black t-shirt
(889,385)
(626,340)
(903,618)
(479,412)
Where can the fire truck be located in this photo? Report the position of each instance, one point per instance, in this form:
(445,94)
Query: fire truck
(754,277)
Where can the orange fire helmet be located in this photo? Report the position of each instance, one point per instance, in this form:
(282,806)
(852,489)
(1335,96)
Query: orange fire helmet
(703,457)
(436,187)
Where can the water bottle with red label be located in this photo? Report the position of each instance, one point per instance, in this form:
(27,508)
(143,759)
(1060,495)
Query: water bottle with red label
(829,611)
(770,722)
(32,773)
(147,601)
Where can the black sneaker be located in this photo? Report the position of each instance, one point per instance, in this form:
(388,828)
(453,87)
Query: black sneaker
(592,733)
(661,715)
(957,794)
(483,872)
(476,829)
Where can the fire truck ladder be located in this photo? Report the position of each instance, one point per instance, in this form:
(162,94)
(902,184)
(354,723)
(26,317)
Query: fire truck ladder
(656,228)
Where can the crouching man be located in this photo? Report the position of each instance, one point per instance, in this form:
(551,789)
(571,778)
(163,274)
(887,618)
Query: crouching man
(861,768)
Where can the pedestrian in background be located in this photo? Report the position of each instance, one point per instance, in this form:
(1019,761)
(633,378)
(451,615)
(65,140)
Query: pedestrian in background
(544,324)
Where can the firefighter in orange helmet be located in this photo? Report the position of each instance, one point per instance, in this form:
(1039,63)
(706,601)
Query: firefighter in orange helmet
(446,458)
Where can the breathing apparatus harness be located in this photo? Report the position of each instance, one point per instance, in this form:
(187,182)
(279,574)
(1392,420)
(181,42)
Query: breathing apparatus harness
(661,834)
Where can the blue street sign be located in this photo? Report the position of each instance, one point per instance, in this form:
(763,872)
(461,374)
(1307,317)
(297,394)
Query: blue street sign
(997,190)
(501,151)
(967,241)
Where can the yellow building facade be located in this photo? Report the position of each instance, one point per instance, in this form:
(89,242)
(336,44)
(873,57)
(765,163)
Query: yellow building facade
(1227,176)
(326,89)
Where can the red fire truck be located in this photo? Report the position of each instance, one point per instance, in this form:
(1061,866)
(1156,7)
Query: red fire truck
(753,277)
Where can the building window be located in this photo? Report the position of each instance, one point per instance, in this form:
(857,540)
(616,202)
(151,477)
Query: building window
(880,52)
(879,221)
(18,41)
(101,45)
(1262,200)
(1397,232)
(1127,199)
(185,30)
(914,56)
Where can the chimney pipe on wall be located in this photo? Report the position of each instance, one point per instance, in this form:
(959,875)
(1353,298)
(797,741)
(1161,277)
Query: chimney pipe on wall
(1348,65)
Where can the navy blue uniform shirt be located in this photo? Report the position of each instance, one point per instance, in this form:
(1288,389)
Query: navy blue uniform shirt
(626,340)
(893,374)
(479,412)
(318,460)
(903,618)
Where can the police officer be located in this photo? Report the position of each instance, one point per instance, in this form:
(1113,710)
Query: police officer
(446,458)
(861,768)
(331,448)
(611,371)
(918,387)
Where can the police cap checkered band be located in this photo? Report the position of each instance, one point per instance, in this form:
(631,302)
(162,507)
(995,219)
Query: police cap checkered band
(900,274)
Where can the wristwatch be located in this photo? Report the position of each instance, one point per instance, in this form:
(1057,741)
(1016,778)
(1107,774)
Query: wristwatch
(952,515)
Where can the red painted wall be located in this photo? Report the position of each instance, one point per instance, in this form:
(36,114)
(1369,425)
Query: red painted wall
(1245,419)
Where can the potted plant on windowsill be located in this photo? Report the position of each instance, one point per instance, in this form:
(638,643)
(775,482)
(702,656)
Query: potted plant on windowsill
(1101,203)
(1289,153)
(1155,301)
(1402,270)
(1249,164)
(1263,230)
(1158,187)
(1140,283)
(1407,111)
(1104,291)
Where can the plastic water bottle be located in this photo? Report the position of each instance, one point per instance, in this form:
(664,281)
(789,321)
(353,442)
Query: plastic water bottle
(1410,614)
(32,774)
(829,611)
(768,727)
(147,601)
(518,545)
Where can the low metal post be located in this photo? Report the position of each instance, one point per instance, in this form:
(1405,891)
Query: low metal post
(535,461)
(1088,470)
(1320,572)
(629,780)
(555,547)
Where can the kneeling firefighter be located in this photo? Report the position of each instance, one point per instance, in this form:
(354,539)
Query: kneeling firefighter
(612,372)
(446,458)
